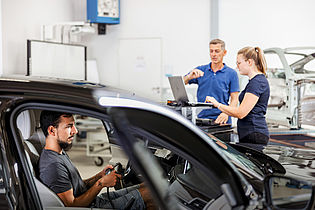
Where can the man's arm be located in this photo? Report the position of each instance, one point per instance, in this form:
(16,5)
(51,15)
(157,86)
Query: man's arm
(91,181)
(196,73)
(86,198)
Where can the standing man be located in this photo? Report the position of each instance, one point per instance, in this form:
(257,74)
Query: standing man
(217,80)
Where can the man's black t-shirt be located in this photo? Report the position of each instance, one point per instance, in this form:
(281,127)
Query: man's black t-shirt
(58,173)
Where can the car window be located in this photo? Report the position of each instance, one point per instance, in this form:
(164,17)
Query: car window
(302,63)
(239,159)
(93,136)
(310,67)
(292,58)
(275,66)
(186,180)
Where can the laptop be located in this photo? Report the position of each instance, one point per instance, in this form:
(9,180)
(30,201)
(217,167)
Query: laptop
(180,94)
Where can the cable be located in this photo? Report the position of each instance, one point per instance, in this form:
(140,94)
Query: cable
(118,168)
(110,200)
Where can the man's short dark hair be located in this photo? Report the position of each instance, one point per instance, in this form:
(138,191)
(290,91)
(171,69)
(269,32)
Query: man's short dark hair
(48,118)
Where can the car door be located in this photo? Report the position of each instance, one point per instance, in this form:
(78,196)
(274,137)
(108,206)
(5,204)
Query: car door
(16,192)
(5,198)
(185,140)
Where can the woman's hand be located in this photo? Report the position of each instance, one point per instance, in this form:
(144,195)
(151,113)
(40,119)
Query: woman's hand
(222,118)
(212,100)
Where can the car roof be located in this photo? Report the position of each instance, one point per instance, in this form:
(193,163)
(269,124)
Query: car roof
(300,50)
(76,91)
(15,83)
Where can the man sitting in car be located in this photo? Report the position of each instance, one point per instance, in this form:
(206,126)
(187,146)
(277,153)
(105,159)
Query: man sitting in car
(62,177)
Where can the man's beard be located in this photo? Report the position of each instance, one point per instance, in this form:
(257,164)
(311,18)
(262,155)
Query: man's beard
(64,145)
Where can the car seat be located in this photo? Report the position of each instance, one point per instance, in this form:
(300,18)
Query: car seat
(33,146)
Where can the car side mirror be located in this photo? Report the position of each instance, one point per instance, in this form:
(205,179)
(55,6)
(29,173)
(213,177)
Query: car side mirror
(288,193)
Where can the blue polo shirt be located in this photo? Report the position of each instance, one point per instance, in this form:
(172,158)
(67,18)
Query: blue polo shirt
(255,120)
(218,84)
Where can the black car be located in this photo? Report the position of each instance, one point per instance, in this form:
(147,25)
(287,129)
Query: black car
(183,167)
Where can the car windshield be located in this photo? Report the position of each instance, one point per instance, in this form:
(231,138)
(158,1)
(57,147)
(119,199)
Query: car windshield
(239,159)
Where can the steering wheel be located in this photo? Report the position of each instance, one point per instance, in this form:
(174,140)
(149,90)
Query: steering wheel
(119,170)
(129,176)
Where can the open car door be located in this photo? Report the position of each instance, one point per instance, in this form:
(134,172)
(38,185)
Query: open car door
(232,190)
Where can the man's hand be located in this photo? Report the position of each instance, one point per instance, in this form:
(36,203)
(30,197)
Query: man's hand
(195,73)
(91,181)
(109,180)
(222,118)
(85,199)
(102,173)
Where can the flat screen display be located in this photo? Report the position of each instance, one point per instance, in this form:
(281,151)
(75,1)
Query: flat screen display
(49,59)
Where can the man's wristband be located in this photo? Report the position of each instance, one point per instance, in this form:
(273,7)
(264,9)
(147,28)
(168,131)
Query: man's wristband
(219,106)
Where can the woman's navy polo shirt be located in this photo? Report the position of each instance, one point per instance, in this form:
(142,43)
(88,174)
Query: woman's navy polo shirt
(218,84)
(255,120)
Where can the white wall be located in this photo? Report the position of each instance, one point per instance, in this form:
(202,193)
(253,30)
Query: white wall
(1,37)
(21,20)
(183,27)
(268,23)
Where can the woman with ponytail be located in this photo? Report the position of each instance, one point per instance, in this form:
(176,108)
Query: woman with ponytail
(251,125)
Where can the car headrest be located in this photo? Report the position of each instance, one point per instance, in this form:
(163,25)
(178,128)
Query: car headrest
(38,140)
(26,123)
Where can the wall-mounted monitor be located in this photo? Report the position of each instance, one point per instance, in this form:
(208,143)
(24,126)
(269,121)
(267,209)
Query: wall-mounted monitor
(57,60)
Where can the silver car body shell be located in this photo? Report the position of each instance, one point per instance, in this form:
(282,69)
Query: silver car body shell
(288,105)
